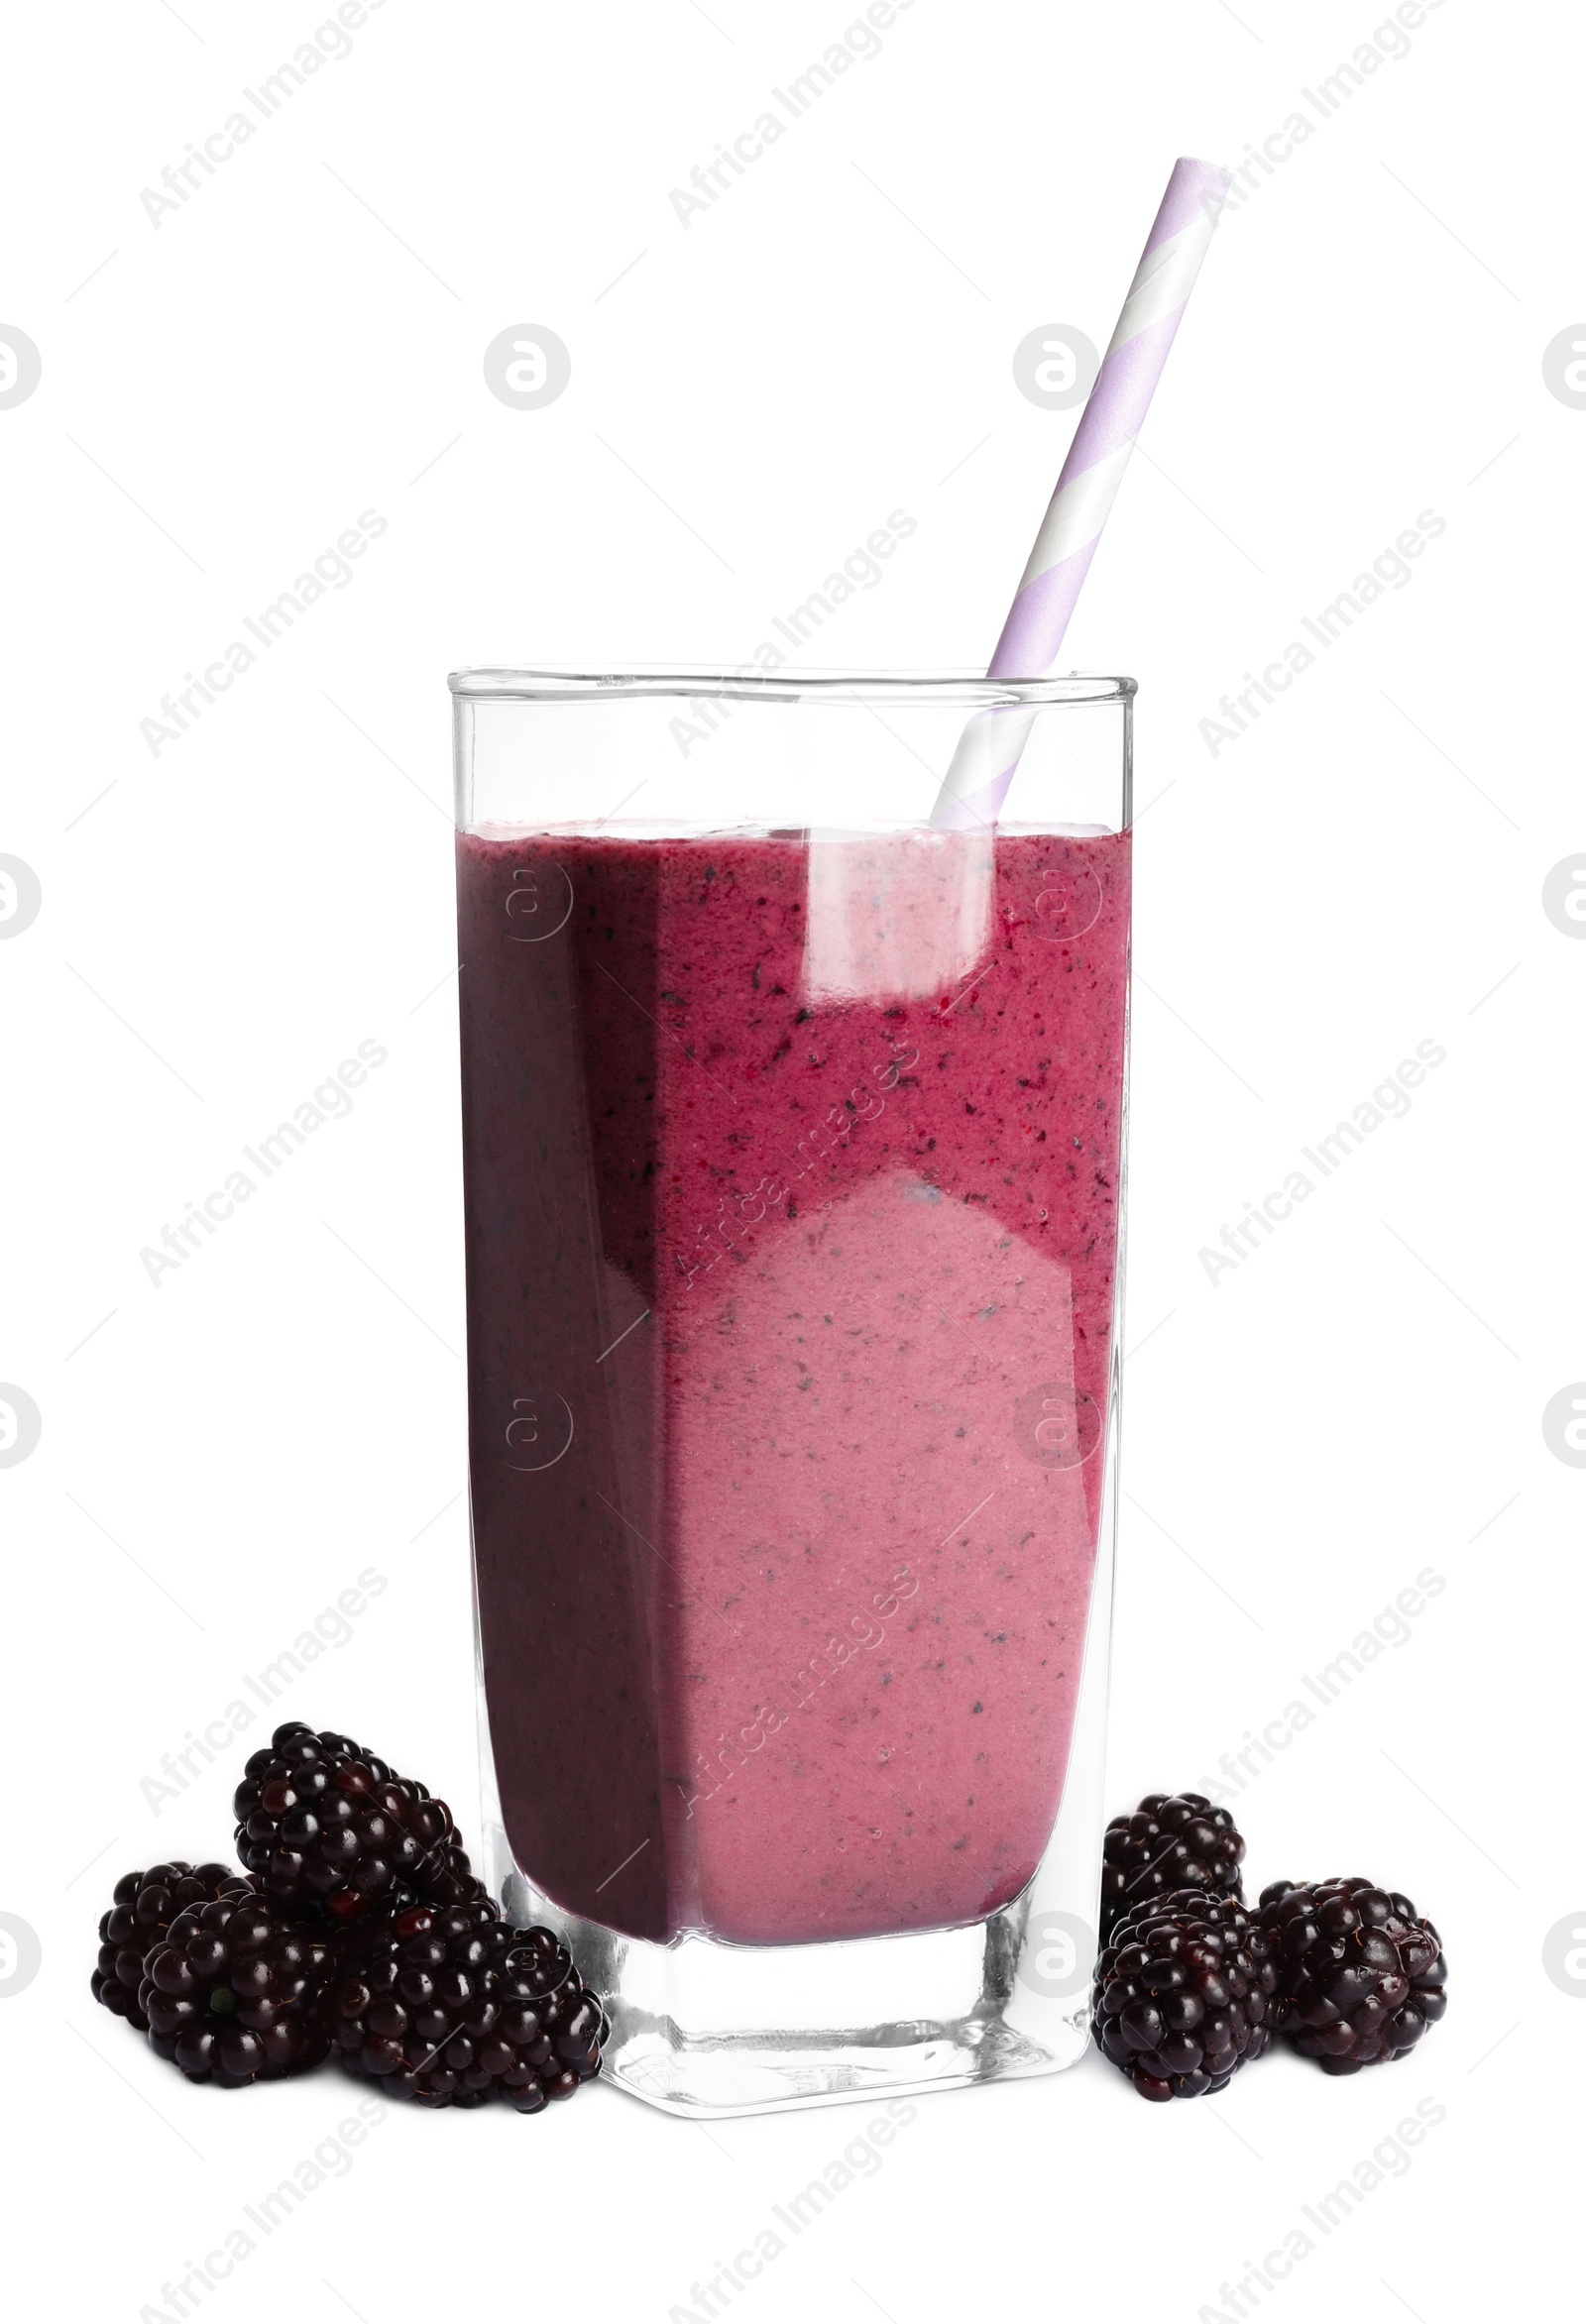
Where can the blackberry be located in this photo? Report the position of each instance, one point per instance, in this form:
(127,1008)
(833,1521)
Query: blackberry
(237,1993)
(1167,1844)
(455,2006)
(329,1829)
(1185,1993)
(1362,1975)
(142,1909)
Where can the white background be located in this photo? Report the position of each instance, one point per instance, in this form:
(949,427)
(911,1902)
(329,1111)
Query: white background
(302,340)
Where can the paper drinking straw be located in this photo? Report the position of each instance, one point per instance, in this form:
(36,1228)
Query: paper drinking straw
(987,755)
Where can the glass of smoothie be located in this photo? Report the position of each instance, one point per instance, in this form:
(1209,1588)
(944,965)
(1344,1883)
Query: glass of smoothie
(793,1148)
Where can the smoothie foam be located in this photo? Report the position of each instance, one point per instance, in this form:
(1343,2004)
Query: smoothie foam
(792,1206)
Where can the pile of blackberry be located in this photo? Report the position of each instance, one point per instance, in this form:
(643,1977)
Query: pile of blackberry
(452,2007)
(1191,1985)
(236,1992)
(1168,1843)
(1186,1994)
(142,1909)
(1362,1975)
(330,1829)
(357,1926)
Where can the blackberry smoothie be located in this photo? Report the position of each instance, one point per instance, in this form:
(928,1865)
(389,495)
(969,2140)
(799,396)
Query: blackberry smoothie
(791,1274)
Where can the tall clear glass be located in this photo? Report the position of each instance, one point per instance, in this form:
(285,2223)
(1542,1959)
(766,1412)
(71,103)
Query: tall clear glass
(794,1176)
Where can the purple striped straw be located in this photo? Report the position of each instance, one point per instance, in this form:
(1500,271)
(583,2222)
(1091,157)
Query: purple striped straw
(987,756)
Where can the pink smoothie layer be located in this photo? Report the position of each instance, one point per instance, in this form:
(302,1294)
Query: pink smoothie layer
(792,1182)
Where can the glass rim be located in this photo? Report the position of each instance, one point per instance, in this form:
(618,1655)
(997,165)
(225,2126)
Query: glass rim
(950,689)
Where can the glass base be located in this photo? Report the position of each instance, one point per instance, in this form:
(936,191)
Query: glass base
(701,2028)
